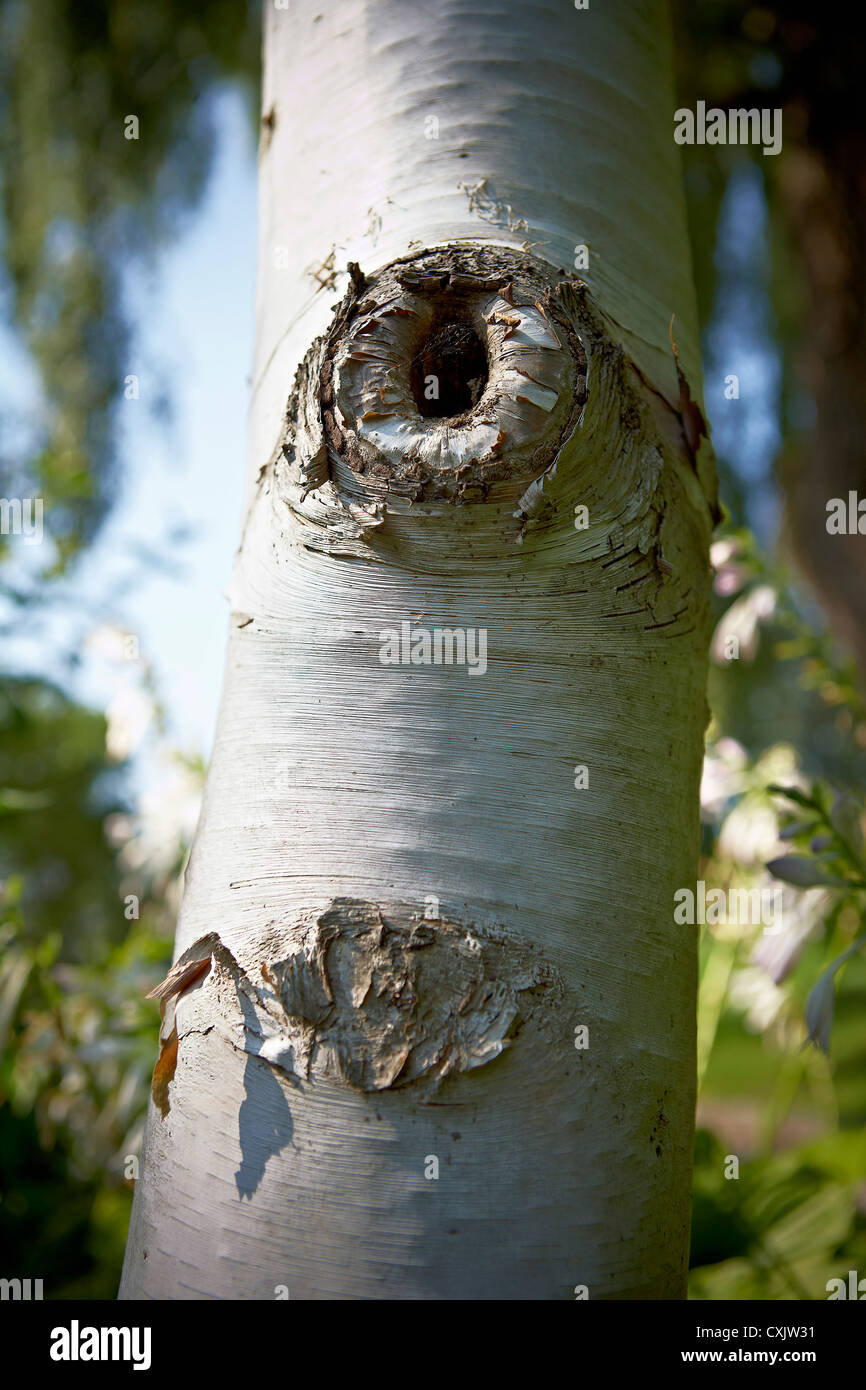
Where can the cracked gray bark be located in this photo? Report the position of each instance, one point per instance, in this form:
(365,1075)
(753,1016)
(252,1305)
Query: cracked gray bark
(400,907)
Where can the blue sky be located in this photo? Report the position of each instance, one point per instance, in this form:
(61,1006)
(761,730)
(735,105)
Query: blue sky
(194,322)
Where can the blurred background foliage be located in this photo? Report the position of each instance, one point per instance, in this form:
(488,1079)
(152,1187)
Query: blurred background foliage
(85,194)
(90,869)
(778,246)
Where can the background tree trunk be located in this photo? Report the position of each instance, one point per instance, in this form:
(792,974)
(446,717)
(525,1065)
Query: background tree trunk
(407,904)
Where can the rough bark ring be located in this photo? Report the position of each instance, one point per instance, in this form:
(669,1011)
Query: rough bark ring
(443,382)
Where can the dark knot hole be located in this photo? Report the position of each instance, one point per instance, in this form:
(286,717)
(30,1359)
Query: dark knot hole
(448,374)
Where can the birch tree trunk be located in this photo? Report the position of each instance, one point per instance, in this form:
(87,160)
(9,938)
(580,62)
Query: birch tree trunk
(434,1024)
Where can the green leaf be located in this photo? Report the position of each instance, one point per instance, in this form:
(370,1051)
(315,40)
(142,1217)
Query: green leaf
(803,873)
(822,999)
(800,827)
(793,794)
(846,820)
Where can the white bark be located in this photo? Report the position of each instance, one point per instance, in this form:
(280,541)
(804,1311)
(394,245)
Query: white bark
(340,1041)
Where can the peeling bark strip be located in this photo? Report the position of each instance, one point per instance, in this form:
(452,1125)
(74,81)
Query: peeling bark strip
(163,1072)
(377,1000)
(189,968)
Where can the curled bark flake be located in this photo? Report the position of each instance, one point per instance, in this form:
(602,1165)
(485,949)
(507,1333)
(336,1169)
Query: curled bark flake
(189,967)
(163,1072)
